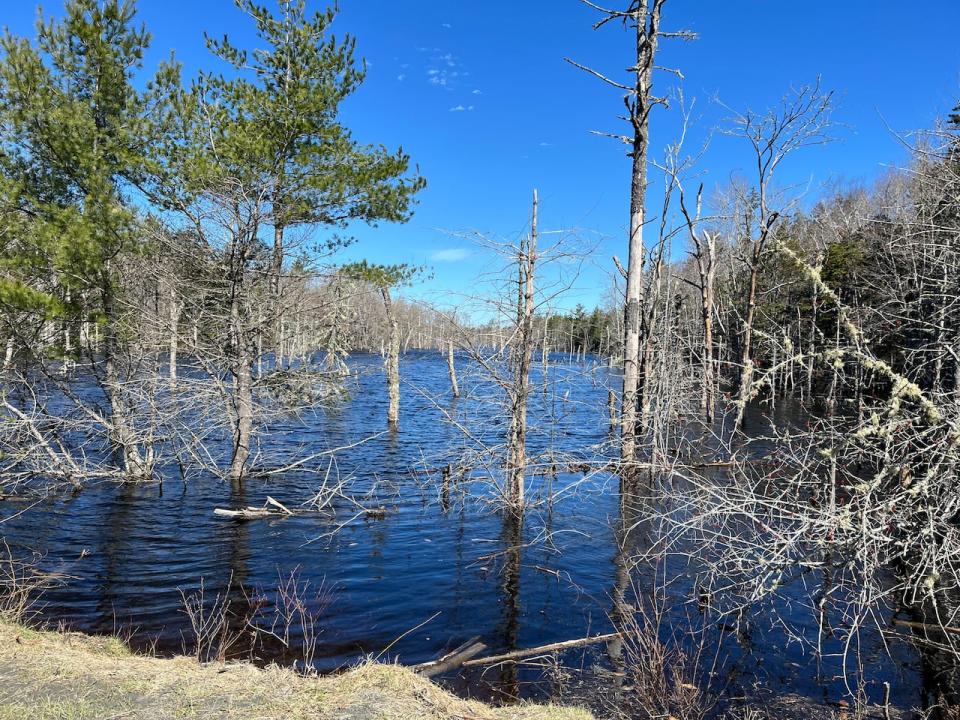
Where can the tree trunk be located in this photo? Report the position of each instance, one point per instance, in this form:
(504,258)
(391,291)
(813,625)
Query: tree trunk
(812,344)
(274,281)
(67,343)
(8,355)
(453,371)
(392,362)
(175,309)
(241,368)
(243,407)
(122,433)
(746,362)
(523,358)
(646,44)
(709,398)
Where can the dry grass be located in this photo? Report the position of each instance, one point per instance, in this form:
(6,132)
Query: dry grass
(67,676)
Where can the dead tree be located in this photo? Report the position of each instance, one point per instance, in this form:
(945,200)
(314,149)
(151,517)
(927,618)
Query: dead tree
(393,360)
(176,307)
(704,254)
(522,359)
(644,17)
(454,386)
(801,120)
(383,278)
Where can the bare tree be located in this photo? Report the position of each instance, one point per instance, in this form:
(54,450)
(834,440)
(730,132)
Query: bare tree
(522,357)
(383,278)
(704,254)
(644,17)
(801,120)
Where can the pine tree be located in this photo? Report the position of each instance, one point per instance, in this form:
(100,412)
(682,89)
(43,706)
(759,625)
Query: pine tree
(74,143)
(289,92)
(264,148)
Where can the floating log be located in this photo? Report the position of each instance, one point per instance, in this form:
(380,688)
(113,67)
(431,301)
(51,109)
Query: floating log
(451,660)
(247,514)
(529,652)
(255,513)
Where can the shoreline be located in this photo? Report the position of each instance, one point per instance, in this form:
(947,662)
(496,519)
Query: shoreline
(51,675)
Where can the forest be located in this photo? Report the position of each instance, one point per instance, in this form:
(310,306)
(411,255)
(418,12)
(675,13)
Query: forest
(731,489)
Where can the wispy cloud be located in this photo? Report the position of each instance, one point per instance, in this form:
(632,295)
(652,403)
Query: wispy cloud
(477,92)
(462,108)
(444,69)
(447,25)
(450,255)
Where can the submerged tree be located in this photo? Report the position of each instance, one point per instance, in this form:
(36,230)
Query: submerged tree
(644,17)
(384,278)
(802,120)
(521,358)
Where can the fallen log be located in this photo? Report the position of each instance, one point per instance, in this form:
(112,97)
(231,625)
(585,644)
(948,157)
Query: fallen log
(255,513)
(247,514)
(529,652)
(451,660)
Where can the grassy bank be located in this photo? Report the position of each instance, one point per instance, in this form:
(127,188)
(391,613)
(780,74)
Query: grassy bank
(68,676)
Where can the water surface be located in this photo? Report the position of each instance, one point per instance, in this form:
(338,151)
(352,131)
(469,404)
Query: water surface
(445,561)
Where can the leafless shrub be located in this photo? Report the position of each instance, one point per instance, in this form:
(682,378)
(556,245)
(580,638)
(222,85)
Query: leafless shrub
(21,585)
(214,627)
(299,607)
(664,668)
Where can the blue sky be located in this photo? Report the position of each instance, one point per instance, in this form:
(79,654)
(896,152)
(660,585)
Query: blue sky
(480,96)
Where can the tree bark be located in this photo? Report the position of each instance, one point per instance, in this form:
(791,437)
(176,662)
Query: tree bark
(746,362)
(274,282)
(122,434)
(709,397)
(640,106)
(522,360)
(241,368)
(175,310)
(243,407)
(454,386)
(8,355)
(392,361)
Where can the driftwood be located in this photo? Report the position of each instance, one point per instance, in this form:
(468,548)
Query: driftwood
(255,513)
(451,660)
(463,656)
(250,513)
(276,509)
(529,652)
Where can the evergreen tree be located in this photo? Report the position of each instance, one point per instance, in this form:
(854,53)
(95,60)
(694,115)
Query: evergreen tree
(288,94)
(73,147)
(264,148)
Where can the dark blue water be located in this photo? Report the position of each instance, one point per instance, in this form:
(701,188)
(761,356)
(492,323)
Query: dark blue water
(445,559)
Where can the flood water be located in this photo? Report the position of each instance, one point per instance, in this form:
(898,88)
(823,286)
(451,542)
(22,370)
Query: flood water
(433,570)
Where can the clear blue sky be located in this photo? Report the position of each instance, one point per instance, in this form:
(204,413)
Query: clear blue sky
(480,96)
